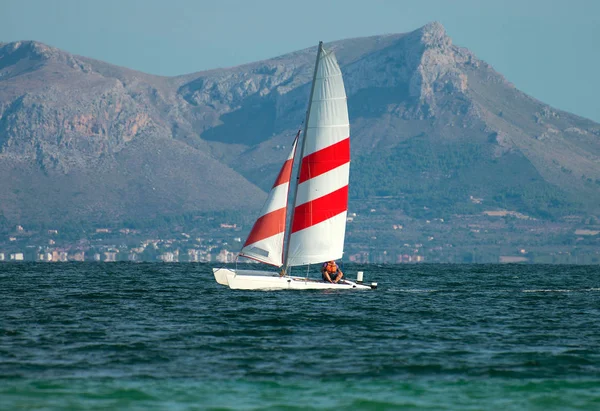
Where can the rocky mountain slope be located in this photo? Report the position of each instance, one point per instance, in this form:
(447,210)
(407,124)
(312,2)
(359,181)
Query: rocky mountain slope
(432,128)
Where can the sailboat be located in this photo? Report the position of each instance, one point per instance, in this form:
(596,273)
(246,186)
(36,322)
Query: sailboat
(320,196)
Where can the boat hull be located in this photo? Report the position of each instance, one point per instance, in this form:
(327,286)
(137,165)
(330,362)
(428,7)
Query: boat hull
(268,280)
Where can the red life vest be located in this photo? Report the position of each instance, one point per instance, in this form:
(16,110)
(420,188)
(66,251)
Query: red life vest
(331,268)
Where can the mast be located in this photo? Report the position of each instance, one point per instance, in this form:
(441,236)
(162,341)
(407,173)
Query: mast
(293,202)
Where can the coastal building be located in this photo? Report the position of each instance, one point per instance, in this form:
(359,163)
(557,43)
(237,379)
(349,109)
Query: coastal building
(225,256)
(46,256)
(78,256)
(59,256)
(169,257)
(110,256)
(193,255)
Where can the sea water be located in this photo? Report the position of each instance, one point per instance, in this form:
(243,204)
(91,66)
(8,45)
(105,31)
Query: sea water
(167,336)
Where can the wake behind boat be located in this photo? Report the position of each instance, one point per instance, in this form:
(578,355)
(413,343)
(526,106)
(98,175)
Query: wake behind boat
(320,201)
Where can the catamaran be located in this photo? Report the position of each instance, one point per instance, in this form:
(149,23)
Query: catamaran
(320,197)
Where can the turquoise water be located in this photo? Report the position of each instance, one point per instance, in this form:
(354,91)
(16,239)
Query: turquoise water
(161,336)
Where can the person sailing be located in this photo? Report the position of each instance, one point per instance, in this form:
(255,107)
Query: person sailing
(329,269)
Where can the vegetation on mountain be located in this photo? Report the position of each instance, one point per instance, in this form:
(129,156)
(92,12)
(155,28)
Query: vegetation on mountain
(434,131)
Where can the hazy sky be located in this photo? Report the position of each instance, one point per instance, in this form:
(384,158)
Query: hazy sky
(547,48)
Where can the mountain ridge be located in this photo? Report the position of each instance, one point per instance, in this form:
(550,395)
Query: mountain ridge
(98,133)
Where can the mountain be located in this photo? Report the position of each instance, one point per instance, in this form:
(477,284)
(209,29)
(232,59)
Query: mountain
(433,127)
(83,140)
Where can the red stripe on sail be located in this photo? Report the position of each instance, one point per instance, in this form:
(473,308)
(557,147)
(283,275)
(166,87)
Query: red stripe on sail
(320,209)
(266,226)
(285,173)
(325,160)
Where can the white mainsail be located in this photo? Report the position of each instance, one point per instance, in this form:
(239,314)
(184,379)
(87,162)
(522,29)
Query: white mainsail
(265,241)
(321,202)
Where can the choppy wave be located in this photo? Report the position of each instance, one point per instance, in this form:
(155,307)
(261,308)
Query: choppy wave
(562,290)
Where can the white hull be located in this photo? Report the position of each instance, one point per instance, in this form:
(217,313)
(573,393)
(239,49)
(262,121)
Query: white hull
(268,280)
